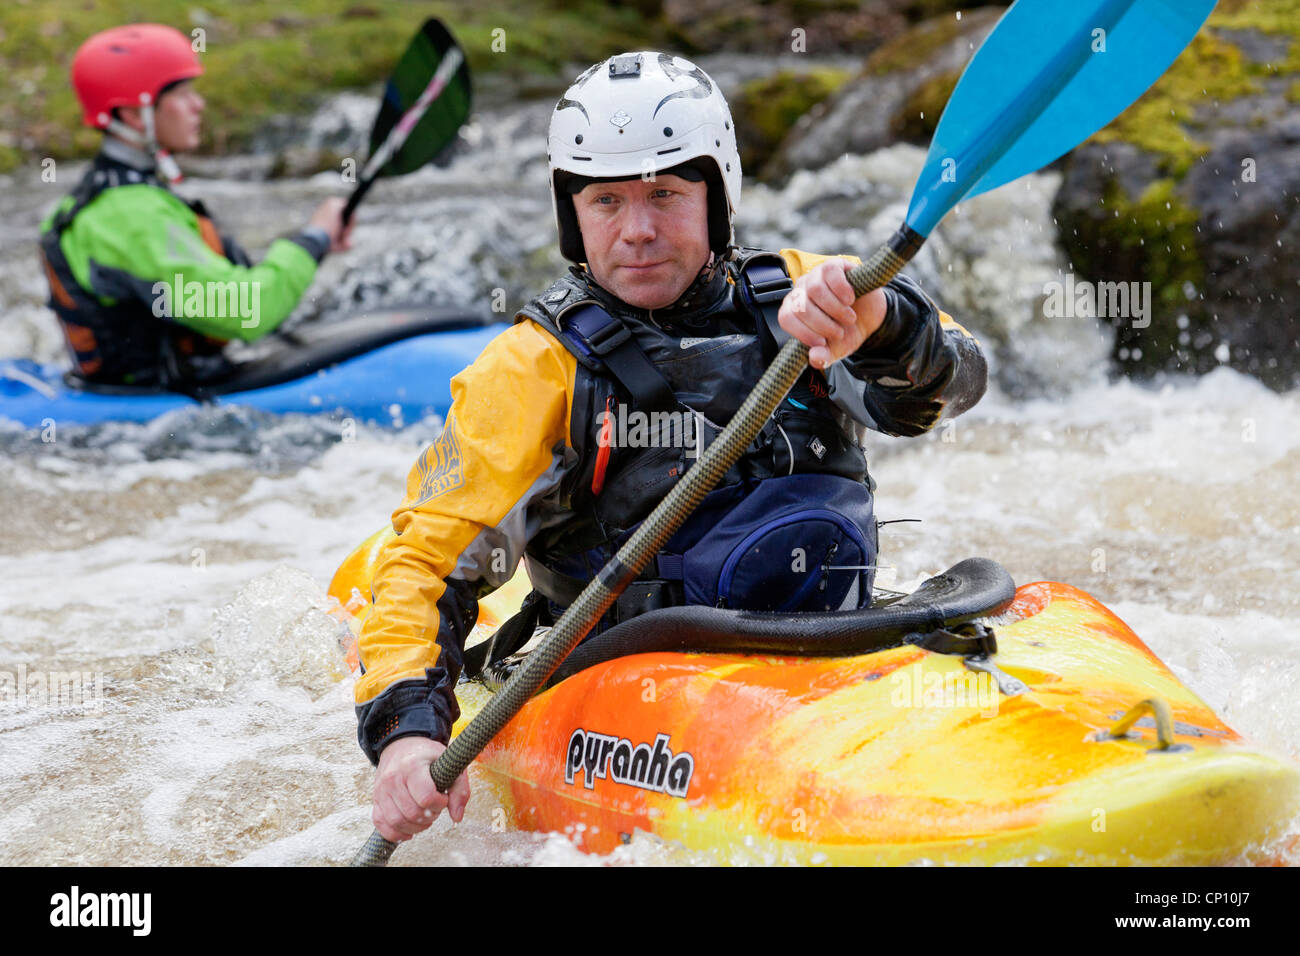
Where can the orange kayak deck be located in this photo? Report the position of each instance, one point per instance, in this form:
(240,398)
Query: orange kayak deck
(897,756)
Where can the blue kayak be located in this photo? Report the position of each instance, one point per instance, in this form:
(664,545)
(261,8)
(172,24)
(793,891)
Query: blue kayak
(389,368)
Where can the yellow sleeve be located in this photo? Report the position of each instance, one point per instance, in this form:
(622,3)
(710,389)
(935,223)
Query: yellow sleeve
(465,517)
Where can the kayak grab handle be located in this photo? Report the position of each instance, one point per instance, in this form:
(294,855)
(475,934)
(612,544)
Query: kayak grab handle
(1164,725)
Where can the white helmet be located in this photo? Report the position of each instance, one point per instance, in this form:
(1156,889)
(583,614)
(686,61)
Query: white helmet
(636,114)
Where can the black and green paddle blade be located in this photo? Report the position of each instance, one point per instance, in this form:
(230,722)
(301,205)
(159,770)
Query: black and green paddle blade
(409,81)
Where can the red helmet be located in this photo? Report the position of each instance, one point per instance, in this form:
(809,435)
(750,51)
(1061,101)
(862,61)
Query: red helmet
(129,66)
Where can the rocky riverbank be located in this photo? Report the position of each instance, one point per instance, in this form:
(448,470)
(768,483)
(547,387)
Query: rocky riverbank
(1190,200)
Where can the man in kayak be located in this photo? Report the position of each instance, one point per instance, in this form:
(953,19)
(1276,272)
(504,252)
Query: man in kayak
(145,287)
(574,423)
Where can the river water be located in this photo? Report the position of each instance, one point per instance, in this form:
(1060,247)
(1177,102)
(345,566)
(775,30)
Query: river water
(181,565)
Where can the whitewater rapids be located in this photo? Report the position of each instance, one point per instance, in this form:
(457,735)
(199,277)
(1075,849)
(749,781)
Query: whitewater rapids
(184,562)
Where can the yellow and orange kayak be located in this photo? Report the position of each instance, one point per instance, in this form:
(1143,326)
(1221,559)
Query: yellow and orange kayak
(902,755)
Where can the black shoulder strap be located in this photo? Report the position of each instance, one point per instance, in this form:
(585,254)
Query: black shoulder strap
(100,176)
(764,284)
(73,296)
(601,340)
(86,190)
(607,339)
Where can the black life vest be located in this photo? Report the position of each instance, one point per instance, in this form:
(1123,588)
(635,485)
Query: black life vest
(790,525)
(126,343)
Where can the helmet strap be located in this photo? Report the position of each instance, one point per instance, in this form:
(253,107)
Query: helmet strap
(711,266)
(702,281)
(165,166)
(124,132)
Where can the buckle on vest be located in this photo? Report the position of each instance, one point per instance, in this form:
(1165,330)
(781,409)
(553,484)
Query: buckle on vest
(768,283)
(604,339)
(598,331)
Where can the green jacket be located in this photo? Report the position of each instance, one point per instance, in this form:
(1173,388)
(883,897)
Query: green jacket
(145,286)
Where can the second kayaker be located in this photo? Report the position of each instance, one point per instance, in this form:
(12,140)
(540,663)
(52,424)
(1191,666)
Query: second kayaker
(145,287)
(572,425)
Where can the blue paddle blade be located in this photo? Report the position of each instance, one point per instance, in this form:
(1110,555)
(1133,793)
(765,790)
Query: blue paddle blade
(1049,75)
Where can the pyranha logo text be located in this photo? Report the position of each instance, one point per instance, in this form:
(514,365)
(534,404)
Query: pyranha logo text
(598,756)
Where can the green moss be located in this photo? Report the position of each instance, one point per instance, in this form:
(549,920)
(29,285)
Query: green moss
(1210,69)
(262,59)
(1164,121)
(1148,239)
(1278,17)
(766,108)
(916,119)
(1161,227)
(1154,237)
(912,48)
(10,158)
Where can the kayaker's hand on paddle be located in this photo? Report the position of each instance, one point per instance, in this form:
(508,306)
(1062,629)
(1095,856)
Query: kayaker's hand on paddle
(823,313)
(329,216)
(406,801)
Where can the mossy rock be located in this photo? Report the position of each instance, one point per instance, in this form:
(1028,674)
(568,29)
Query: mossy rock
(916,120)
(301,162)
(824,26)
(10,158)
(911,75)
(1168,194)
(765,109)
(1148,239)
(1163,120)
(913,48)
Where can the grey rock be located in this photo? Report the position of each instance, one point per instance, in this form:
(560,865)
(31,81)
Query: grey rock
(857,119)
(1256,46)
(1245,193)
(1251,230)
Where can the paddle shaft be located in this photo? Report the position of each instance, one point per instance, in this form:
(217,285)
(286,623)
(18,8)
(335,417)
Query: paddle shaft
(354,200)
(653,533)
